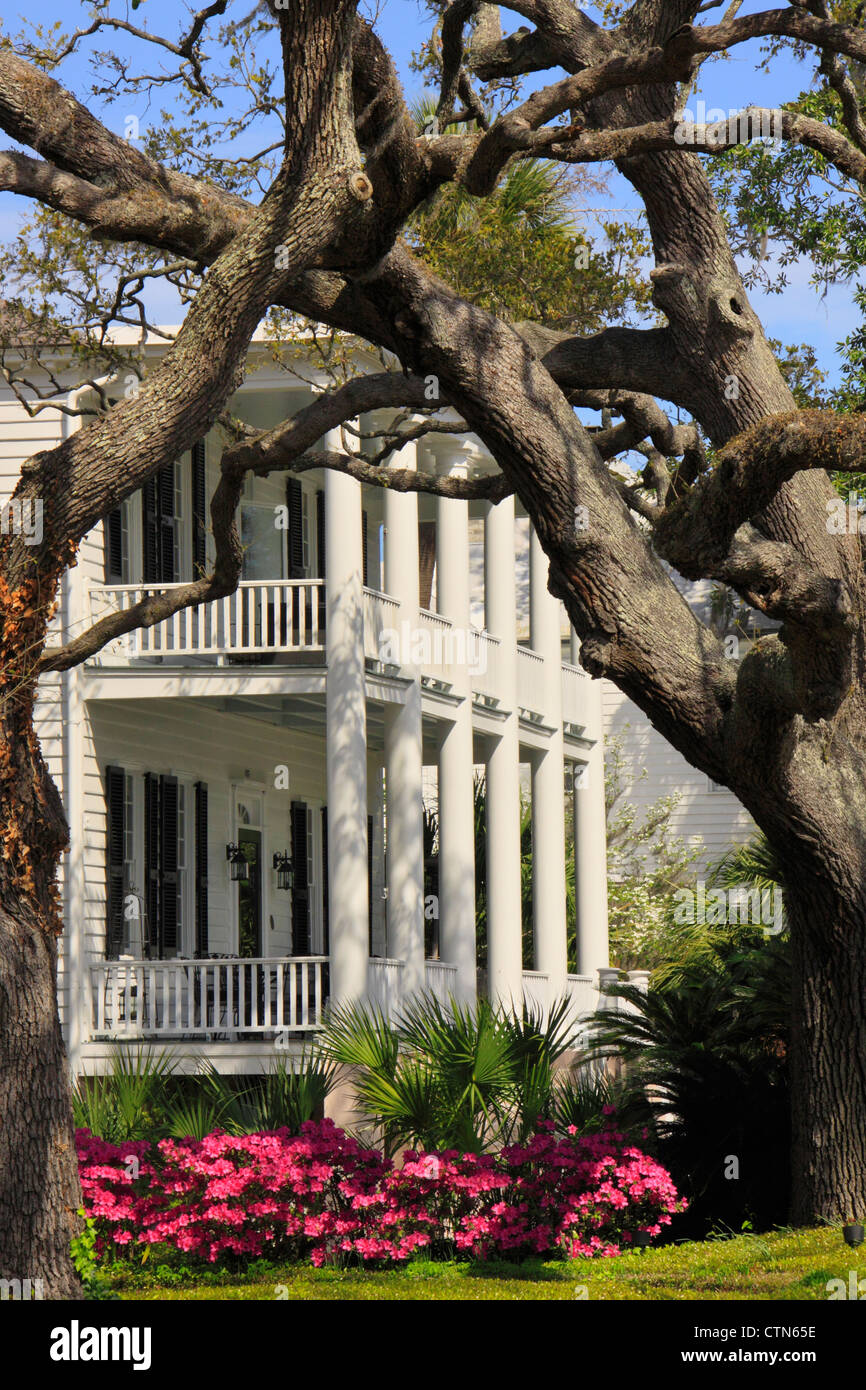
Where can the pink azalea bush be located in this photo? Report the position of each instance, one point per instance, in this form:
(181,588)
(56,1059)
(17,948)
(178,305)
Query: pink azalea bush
(320,1195)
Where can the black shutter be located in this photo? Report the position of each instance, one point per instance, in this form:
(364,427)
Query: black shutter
(326,921)
(370,882)
(366,567)
(115,791)
(150,533)
(199,510)
(168,875)
(158,526)
(201,937)
(294,504)
(321,544)
(165,486)
(113,528)
(321,555)
(301,882)
(151,863)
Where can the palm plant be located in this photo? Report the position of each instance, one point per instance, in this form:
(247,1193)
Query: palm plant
(705,1056)
(449,1076)
(581,1098)
(285,1097)
(127,1101)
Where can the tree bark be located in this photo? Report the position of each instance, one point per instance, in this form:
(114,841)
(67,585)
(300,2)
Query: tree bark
(39,1188)
(828,1056)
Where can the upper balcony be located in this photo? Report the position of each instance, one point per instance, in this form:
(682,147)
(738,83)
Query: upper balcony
(283,623)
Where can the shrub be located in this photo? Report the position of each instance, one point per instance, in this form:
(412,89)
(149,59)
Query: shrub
(321,1196)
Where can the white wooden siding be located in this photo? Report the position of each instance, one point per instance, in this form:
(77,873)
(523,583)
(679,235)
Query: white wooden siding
(716,818)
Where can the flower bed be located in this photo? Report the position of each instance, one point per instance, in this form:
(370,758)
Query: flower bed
(320,1196)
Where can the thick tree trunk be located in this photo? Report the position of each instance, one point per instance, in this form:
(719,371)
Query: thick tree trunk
(828,1057)
(39,1192)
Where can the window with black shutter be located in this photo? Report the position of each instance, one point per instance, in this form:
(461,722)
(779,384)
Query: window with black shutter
(113,530)
(151,863)
(301,881)
(201,924)
(321,557)
(161,879)
(199,510)
(364,556)
(168,874)
(115,790)
(321,543)
(158,528)
(295,508)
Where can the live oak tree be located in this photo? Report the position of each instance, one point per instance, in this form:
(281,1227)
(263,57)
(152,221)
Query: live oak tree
(311,226)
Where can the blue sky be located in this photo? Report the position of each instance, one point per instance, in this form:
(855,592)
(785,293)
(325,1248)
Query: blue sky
(799,314)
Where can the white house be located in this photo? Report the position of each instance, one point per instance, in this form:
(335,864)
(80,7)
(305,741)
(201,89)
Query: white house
(243,782)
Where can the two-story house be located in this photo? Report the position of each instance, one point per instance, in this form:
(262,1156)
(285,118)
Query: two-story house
(244,781)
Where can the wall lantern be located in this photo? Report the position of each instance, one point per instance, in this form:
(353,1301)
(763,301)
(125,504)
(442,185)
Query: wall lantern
(284,870)
(240,869)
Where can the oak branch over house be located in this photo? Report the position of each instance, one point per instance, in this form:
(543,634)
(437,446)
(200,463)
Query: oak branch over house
(318,234)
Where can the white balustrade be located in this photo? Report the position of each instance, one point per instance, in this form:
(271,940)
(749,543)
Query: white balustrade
(530,681)
(383,985)
(260,617)
(575,694)
(199,998)
(536,990)
(440,980)
(484,670)
(383,639)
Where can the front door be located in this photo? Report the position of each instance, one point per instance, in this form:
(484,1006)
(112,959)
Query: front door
(250,896)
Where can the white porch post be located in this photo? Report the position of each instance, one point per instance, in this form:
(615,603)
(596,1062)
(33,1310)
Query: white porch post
(346,736)
(590,840)
(456,758)
(504,948)
(548,785)
(403,744)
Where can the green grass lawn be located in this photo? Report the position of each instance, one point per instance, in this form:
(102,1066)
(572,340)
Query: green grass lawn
(792,1265)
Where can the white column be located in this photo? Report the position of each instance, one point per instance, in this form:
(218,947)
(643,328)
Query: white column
(346,737)
(403,744)
(456,758)
(504,950)
(548,784)
(590,846)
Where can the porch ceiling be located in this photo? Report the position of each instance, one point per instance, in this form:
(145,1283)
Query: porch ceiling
(306,713)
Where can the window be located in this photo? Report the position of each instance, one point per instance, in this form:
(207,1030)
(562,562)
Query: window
(182,877)
(305,532)
(262,542)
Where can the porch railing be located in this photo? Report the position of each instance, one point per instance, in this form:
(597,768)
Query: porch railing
(202,998)
(384,979)
(530,681)
(260,617)
(575,694)
(536,990)
(484,670)
(440,979)
(381,617)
